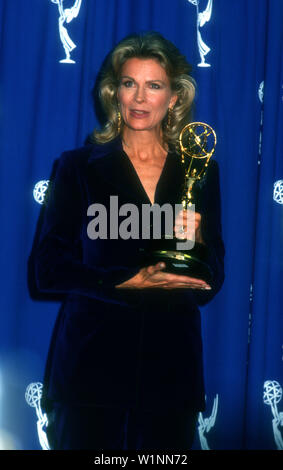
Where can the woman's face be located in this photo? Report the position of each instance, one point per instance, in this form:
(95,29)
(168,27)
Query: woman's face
(144,94)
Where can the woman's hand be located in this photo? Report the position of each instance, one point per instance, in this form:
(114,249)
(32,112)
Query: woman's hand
(184,227)
(154,277)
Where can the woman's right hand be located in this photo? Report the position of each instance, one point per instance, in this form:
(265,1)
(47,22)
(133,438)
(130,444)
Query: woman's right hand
(155,277)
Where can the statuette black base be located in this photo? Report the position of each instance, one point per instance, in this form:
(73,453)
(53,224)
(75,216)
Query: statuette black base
(192,263)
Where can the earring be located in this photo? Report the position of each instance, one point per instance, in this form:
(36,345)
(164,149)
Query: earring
(169,117)
(119,121)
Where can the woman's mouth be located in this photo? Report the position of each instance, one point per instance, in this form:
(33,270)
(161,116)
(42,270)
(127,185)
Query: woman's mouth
(139,114)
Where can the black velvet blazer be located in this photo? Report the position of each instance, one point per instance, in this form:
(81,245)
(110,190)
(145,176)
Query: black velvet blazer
(111,346)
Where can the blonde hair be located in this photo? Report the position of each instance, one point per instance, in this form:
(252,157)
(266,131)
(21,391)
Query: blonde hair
(150,45)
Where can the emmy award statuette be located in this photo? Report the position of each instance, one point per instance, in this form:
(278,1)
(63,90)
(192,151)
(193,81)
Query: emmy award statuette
(197,144)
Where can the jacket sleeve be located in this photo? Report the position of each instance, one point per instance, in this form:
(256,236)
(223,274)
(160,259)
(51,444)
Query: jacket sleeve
(212,233)
(58,260)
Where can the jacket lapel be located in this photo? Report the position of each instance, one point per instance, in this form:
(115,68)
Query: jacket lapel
(109,163)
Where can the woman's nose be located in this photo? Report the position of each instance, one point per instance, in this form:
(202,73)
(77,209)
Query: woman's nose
(140,95)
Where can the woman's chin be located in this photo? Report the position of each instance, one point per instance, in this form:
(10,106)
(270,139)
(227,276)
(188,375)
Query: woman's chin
(142,126)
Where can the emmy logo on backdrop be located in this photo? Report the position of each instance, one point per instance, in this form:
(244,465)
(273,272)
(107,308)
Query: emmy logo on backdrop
(278,191)
(261,92)
(66,16)
(205,424)
(272,395)
(202,18)
(39,191)
(261,97)
(33,396)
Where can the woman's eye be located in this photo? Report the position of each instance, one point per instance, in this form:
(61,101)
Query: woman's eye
(155,86)
(128,83)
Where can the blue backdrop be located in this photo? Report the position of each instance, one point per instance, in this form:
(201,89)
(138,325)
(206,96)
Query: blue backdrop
(46,106)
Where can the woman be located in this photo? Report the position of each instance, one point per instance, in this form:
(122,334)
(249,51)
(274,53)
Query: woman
(125,364)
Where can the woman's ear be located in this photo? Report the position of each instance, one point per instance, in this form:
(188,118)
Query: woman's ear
(173,101)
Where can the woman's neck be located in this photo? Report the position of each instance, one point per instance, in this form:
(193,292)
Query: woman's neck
(143,144)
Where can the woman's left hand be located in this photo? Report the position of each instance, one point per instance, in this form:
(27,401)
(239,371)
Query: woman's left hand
(185,229)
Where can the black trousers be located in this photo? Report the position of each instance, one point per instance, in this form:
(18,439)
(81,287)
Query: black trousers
(104,428)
